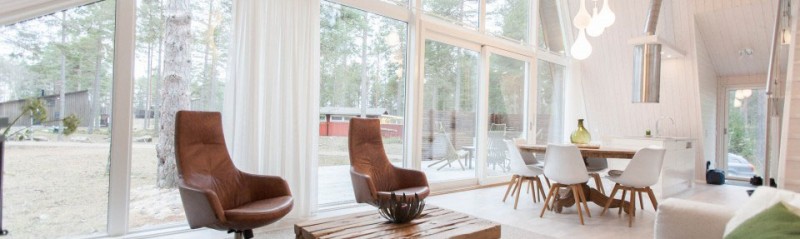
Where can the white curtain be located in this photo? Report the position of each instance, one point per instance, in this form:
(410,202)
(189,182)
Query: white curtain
(272,98)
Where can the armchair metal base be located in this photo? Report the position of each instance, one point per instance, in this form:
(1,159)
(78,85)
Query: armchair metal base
(245,234)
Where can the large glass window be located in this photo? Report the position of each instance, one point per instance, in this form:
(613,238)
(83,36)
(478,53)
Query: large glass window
(550,102)
(56,185)
(449,114)
(153,203)
(464,12)
(509,19)
(507,108)
(363,74)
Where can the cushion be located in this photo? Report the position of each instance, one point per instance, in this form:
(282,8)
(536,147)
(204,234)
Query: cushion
(762,199)
(774,222)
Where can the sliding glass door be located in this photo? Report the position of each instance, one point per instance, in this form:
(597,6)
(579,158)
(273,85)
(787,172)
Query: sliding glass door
(507,110)
(745,132)
(449,117)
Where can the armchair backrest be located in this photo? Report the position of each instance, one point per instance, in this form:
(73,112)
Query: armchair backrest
(202,157)
(367,155)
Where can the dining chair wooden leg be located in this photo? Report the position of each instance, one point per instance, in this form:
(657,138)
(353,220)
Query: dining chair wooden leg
(519,191)
(632,208)
(624,192)
(542,195)
(576,194)
(510,184)
(583,199)
(548,181)
(641,202)
(547,201)
(530,187)
(652,198)
(610,199)
(598,182)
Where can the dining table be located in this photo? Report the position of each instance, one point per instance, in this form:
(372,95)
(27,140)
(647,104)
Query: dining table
(592,194)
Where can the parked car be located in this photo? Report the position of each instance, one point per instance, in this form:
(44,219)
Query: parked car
(738,166)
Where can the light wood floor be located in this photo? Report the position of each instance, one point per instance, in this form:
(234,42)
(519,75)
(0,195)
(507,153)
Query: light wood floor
(486,203)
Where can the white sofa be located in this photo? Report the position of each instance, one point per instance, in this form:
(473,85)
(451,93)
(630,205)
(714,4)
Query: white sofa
(677,218)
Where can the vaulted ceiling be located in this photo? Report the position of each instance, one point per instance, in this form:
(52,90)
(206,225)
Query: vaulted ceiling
(12,11)
(730,27)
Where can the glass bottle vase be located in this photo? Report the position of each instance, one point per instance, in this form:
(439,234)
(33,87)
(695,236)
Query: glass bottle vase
(581,135)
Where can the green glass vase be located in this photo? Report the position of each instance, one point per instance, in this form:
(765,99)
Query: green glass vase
(581,135)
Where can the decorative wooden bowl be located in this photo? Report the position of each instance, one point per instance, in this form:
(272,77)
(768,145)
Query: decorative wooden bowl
(401,209)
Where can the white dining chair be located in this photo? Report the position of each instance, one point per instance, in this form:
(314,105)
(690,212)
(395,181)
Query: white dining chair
(595,166)
(523,173)
(564,164)
(642,172)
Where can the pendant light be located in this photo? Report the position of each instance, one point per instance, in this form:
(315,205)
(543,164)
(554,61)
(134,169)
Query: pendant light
(606,16)
(596,27)
(581,49)
(582,19)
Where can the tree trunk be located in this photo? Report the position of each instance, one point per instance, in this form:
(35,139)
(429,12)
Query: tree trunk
(364,73)
(63,88)
(96,87)
(208,37)
(175,92)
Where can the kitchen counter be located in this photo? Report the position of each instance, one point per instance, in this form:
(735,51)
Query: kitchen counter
(677,174)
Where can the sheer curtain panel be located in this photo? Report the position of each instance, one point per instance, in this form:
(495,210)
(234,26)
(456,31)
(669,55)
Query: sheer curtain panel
(272,99)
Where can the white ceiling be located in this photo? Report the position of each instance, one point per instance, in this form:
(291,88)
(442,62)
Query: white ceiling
(727,26)
(12,11)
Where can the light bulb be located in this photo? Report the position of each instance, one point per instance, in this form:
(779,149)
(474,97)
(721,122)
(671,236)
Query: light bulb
(737,103)
(581,49)
(747,93)
(787,37)
(739,94)
(582,19)
(606,16)
(595,28)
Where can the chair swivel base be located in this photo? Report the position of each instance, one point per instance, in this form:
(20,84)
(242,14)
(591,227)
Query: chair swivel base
(244,234)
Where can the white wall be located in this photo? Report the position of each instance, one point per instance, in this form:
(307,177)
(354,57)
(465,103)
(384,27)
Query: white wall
(607,75)
(709,88)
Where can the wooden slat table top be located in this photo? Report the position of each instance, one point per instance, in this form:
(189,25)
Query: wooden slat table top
(585,152)
(435,222)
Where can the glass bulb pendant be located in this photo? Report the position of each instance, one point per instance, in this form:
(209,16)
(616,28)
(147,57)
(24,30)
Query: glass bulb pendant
(606,16)
(581,49)
(595,28)
(582,19)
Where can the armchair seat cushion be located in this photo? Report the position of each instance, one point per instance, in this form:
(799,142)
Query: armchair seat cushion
(261,210)
(409,192)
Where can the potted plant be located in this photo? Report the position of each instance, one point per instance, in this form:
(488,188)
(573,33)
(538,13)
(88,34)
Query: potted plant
(36,109)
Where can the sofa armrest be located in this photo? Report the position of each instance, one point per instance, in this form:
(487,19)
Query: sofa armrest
(410,178)
(266,186)
(364,188)
(202,207)
(677,218)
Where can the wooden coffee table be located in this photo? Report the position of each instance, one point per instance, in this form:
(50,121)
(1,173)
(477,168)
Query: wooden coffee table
(433,223)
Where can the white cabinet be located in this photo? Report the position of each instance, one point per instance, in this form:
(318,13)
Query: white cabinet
(677,174)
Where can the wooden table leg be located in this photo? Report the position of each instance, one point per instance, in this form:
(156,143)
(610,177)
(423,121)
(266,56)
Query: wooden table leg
(592,195)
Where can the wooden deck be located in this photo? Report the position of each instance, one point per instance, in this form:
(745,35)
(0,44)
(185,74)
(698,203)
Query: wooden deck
(434,223)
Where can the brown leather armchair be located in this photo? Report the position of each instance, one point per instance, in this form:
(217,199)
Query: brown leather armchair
(373,176)
(214,193)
